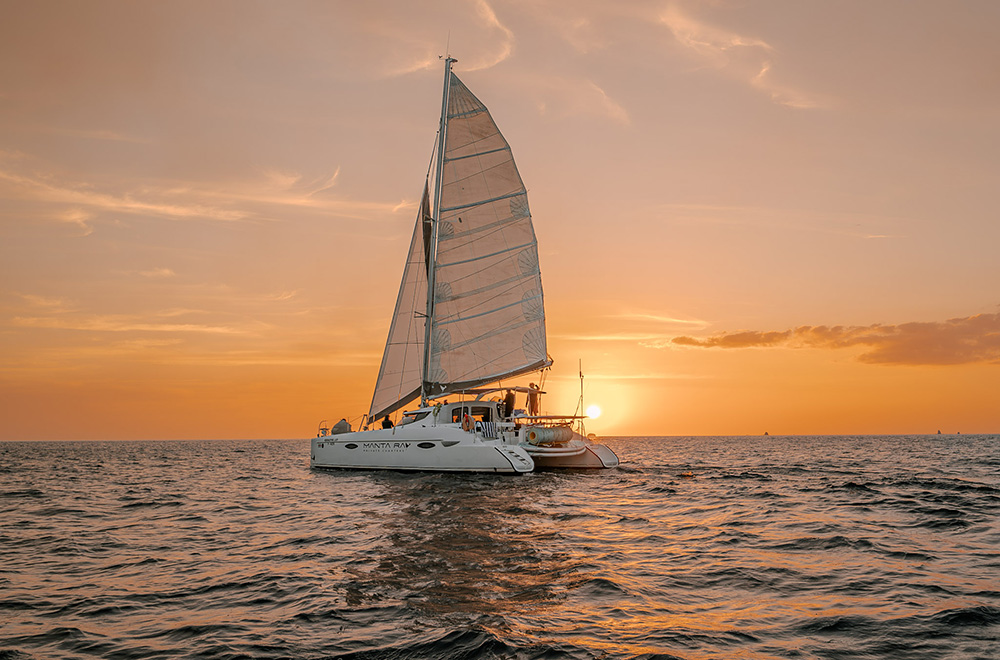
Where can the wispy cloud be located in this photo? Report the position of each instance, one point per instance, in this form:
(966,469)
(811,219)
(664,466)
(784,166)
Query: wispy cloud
(77,217)
(341,357)
(117,323)
(295,182)
(506,42)
(43,302)
(712,43)
(80,195)
(578,96)
(625,376)
(581,32)
(92,134)
(634,337)
(782,94)
(746,58)
(236,201)
(968,340)
(412,42)
(158,273)
(284,295)
(657,318)
(609,106)
(798,220)
(643,327)
(38,312)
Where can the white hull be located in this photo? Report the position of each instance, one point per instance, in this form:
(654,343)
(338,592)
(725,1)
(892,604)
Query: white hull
(509,447)
(416,447)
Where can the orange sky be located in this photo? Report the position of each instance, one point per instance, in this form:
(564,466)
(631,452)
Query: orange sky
(773,216)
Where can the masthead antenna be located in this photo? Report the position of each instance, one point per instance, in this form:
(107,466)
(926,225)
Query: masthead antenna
(447,50)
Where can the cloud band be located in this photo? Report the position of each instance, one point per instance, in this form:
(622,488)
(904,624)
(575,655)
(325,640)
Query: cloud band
(969,340)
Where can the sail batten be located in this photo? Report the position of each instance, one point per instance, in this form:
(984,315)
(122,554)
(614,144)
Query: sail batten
(442,389)
(462,234)
(486,256)
(490,311)
(484,153)
(465,115)
(484,289)
(473,266)
(479,203)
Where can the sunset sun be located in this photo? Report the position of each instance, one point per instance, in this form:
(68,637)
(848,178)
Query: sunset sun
(593,412)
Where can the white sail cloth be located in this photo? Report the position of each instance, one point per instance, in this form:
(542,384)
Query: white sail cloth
(488,318)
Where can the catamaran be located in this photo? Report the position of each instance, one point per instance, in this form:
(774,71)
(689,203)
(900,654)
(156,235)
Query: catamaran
(469,313)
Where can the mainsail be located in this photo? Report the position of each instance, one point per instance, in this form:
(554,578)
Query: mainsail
(487,319)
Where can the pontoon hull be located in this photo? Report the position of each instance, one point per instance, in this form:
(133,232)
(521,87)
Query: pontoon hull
(574,456)
(422,448)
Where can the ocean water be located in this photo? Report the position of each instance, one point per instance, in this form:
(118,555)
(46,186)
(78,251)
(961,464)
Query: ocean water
(695,548)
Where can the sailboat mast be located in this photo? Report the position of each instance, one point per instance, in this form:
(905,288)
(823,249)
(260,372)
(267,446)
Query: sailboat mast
(435,217)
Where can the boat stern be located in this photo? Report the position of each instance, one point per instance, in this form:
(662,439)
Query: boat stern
(604,454)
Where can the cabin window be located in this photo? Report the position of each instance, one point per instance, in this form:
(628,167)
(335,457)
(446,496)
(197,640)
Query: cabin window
(409,418)
(478,413)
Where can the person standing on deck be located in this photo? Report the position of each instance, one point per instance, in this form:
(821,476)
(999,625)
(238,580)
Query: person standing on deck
(508,403)
(533,400)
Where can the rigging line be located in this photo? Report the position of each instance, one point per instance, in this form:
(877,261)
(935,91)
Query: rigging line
(444,389)
(477,273)
(482,172)
(468,113)
(515,289)
(481,203)
(460,284)
(463,248)
(476,276)
(510,352)
(494,227)
(519,224)
(493,378)
(484,289)
(486,256)
(491,311)
(512,288)
(481,153)
(489,136)
(495,360)
(486,335)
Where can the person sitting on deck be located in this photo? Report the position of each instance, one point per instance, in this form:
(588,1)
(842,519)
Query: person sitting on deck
(386,422)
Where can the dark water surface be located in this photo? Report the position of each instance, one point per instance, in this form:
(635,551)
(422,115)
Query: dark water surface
(798,547)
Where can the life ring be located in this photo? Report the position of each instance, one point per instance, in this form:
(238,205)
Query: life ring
(466,423)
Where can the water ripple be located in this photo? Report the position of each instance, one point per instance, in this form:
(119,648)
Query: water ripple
(695,549)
